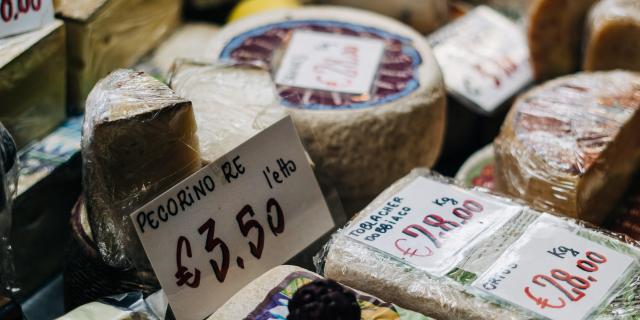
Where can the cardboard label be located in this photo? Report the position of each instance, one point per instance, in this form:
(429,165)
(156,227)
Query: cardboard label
(429,223)
(238,217)
(330,62)
(555,273)
(18,16)
(484,59)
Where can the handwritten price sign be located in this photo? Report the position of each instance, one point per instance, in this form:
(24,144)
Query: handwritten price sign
(555,273)
(238,217)
(17,16)
(429,223)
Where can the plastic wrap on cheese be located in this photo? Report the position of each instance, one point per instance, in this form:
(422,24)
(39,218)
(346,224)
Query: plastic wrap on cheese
(231,103)
(8,187)
(449,252)
(613,36)
(571,145)
(138,139)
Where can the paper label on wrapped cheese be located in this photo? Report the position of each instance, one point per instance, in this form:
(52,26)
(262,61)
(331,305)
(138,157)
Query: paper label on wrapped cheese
(429,224)
(484,58)
(18,16)
(251,210)
(330,62)
(555,273)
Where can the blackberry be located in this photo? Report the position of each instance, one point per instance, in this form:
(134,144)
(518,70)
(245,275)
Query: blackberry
(324,299)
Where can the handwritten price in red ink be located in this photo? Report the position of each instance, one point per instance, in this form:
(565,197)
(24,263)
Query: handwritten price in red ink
(14,9)
(570,287)
(250,229)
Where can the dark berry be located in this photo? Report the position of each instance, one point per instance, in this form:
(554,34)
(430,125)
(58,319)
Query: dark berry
(324,299)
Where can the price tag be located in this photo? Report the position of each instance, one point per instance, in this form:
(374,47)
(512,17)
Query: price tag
(555,273)
(17,16)
(238,217)
(428,224)
(330,62)
(484,58)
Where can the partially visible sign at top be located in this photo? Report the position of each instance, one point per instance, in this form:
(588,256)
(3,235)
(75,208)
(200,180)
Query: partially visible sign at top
(330,62)
(18,16)
(225,225)
(484,58)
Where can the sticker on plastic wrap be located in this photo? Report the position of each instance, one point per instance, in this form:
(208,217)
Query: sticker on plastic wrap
(555,273)
(484,58)
(18,16)
(429,224)
(251,210)
(330,62)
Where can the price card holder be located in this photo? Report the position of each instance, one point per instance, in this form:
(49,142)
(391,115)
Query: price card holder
(238,217)
(555,273)
(18,16)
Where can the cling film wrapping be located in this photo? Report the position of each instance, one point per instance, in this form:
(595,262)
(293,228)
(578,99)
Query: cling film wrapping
(454,270)
(8,186)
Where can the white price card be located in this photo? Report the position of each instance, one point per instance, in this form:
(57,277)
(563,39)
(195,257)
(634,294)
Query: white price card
(428,224)
(330,62)
(484,58)
(249,211)
(554,272)
(17,16)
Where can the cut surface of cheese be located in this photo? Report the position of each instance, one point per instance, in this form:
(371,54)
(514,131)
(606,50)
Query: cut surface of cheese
(555,35)
(613,36)
(374,107)
(138,139)
(571,145)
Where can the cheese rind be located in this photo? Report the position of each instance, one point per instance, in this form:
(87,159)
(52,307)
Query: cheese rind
(138,139)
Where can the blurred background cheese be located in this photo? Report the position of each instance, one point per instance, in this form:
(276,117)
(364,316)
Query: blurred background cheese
(138,139)
(32,82)
(103,35)
(362,142)
(250,7)
(613,36)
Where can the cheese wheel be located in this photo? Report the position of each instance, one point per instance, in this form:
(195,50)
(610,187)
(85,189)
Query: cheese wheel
(571,145)
(363,141)
(555,34)
(613,39)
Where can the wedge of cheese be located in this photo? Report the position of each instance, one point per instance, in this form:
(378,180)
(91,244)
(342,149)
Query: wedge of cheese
(32,82)
(103,35)
(555,36)
(364,91)
(571,145)
(613,36)
(138,139)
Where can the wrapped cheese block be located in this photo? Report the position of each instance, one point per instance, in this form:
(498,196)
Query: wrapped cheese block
(555,36)
(613,36)
(32,82)
(138,139)
(364,91)
(571,145)
(103,35)
(452,253)
(270,297)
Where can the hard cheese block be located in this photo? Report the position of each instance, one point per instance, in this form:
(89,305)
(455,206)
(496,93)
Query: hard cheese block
(613,36)
(103,35)
(364,91)
(138,139)
(453,253)
(32,82)
(268,297)
(571,145)
(555,36)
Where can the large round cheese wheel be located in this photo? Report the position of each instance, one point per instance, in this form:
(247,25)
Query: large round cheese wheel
(362,141)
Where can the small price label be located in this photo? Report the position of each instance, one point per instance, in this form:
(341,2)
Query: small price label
(330,62)
(17,16)
(213,233)
(429,223)
(554,272)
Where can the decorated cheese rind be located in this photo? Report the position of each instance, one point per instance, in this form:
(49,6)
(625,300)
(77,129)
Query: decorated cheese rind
(613,36)
(555,35)
(138,139)
(365,140)
(571,145)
